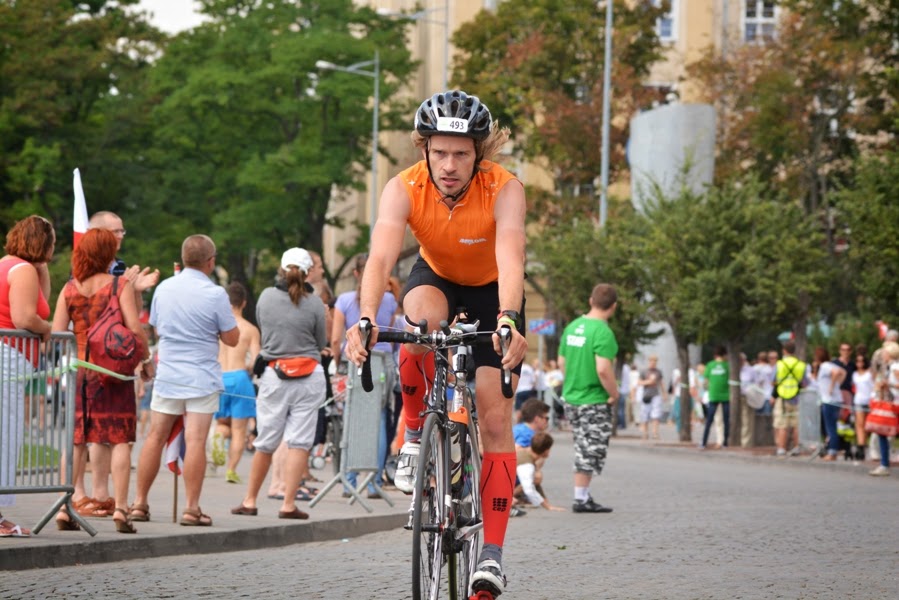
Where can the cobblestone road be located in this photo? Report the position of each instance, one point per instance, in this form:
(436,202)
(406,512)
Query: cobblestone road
(686,525)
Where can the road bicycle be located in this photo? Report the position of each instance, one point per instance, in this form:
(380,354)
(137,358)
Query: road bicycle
(446,503)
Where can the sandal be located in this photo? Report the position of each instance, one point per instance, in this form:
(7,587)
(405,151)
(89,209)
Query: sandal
(91,507)
(66,524)
(197,518)
(139,512)
(10,529)
(123,525)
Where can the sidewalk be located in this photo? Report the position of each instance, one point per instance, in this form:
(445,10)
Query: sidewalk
(332,518)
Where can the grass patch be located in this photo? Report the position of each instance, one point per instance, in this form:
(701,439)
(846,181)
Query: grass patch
(38,457)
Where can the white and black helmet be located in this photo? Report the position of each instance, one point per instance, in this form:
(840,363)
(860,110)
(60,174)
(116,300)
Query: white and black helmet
(453,113)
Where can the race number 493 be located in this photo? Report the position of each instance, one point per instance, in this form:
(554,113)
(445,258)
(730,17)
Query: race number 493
(452,125)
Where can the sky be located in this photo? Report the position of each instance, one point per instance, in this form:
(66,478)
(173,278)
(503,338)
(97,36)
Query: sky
(172,16)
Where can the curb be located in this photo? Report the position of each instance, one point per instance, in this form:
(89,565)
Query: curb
(804,461)
(98,551)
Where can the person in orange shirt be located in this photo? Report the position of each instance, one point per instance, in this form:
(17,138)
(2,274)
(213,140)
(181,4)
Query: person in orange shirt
(467,214)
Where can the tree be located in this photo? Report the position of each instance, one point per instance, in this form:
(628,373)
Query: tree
(67,72)
(798,108)
(575,256)
(538,64)
(871,213)
(251,139)
(723,263)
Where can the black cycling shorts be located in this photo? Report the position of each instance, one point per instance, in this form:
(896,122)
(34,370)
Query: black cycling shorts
(481,302)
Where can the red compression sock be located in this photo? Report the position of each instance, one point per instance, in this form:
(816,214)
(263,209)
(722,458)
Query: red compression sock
(497,482)
(412,380)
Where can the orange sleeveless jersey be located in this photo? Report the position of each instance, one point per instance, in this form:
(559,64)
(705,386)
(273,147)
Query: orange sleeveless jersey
(459,245)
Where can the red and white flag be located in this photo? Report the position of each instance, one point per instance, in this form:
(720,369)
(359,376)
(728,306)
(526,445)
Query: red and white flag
(175,447)
(79,222)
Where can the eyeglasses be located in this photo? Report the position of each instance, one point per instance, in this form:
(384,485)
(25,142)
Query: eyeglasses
(120,232)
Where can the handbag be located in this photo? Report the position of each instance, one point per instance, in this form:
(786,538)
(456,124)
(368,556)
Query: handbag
(295,367)
(110,344)
(882,418)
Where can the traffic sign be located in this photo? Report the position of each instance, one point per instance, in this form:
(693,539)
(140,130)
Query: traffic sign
(542,326)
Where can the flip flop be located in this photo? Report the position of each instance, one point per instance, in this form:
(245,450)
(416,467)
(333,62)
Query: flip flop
(296,513)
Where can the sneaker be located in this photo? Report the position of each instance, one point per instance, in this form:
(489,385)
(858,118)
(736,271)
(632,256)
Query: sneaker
(781,453)
(489,578)
(231,476)
(794,451)
(879,471)
(218,450)
(517,512)
(589,506)
(404,480)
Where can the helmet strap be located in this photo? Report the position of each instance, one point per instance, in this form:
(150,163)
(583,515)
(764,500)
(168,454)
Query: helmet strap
(450,197)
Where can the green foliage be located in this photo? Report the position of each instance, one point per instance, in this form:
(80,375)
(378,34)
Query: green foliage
(251,139)
(574,256)
(719,265)
(67,72)
(871,212)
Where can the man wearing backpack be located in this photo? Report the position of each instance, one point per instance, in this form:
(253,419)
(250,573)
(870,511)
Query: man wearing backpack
(790,375)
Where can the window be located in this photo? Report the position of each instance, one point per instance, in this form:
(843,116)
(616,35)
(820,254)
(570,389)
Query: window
(759,20)
(666,26)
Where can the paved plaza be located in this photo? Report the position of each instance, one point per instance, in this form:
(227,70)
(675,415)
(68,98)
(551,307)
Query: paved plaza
(687,524)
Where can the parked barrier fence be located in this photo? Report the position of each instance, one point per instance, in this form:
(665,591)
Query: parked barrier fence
(37,420)
(361,423)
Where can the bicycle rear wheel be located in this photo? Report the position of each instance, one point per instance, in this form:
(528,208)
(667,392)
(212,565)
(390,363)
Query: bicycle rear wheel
(468,524)
(428,515)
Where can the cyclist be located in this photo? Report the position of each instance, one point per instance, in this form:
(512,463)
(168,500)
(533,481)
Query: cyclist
(467,214)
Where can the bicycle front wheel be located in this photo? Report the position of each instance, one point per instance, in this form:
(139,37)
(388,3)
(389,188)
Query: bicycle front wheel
(468,520)
(428,513)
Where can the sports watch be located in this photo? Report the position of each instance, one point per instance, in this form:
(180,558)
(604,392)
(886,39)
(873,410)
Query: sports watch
(512,314)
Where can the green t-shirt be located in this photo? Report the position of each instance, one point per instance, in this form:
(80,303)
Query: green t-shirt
(717,373)
(582,341)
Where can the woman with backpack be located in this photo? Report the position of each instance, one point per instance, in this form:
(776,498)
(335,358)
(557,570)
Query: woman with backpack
(105,409)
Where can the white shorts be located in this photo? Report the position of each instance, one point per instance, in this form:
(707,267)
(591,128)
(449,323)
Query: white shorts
(178,406)
(287,409)
(651,411)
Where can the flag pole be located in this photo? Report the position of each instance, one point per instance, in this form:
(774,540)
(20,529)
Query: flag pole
(175,499)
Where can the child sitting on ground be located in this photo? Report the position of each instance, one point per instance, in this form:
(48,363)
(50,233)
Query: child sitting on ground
(529,487)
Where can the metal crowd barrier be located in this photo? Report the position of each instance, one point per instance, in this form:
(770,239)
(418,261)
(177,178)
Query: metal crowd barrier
(361,423)
(809,421)
(37,419)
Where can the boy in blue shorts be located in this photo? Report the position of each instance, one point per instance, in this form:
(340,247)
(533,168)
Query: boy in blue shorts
(237,403)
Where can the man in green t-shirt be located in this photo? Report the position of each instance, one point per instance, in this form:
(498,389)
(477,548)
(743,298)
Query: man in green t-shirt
(717,374)
(586,355)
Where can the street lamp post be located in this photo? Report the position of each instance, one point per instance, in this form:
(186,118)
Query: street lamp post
(606,96)
(357,69)
(422,16)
